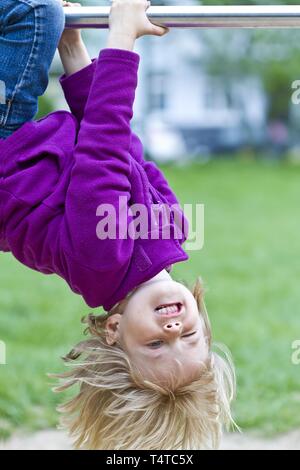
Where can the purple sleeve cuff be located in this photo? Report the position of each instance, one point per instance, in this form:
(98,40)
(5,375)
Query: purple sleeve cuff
(119,54)
(82,74)
(76,88)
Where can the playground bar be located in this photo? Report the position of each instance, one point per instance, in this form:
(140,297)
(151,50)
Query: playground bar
(238,16)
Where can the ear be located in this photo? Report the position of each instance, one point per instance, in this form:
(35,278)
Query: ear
(112,328)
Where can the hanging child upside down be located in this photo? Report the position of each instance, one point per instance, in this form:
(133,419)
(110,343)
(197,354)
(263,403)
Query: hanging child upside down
(148,376)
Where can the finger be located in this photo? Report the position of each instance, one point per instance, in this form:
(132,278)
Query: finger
(159,30)
(70,4)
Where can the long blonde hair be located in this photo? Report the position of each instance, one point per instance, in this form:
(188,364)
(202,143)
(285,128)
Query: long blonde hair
(115,408)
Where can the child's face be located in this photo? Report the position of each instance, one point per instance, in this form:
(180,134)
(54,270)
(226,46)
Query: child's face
(153,339)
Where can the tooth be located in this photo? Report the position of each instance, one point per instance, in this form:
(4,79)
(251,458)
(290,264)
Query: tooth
(169,309)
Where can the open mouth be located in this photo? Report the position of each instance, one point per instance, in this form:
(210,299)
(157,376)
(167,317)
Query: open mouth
(170,310)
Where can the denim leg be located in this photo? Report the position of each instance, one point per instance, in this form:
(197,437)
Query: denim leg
(29,35)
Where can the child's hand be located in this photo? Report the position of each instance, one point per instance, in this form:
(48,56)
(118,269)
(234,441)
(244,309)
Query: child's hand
(128,18)
(70,36)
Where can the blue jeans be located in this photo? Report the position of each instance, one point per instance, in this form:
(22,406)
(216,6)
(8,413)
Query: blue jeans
(29,35)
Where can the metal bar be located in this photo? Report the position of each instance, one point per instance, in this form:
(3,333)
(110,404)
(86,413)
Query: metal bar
(239,16)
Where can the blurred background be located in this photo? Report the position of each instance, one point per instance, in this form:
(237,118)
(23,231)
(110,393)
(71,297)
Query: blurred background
(213,108)
(205,92)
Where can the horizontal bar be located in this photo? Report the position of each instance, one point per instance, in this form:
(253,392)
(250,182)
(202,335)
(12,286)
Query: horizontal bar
(239,16)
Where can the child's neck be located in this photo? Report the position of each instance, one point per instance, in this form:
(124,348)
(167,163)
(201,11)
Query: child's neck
(162,275)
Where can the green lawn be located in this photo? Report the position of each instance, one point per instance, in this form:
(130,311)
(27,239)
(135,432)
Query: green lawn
(250,265)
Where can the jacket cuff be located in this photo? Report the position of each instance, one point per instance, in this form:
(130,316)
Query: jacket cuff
(119,54)
(83,74)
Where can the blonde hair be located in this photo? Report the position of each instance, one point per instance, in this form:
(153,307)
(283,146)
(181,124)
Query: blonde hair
(116,408)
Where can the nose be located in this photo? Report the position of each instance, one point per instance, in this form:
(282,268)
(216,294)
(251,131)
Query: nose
(173,327)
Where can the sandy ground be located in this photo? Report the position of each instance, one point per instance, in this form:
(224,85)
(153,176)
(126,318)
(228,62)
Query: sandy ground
(57,440)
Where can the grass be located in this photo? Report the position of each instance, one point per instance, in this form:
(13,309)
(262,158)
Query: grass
(250,265)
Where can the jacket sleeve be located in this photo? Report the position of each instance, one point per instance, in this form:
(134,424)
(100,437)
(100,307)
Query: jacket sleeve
(76,88)
(101,175)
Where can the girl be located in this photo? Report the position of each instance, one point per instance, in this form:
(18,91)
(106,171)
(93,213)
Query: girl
(70,184)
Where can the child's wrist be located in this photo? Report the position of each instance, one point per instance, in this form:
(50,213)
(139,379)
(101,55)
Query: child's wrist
(119,40)
(74,56)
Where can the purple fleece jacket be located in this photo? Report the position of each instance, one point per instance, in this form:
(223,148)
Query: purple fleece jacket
(55,172)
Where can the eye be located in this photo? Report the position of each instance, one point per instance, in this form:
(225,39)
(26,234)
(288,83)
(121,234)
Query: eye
(155,344)
(189,334)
